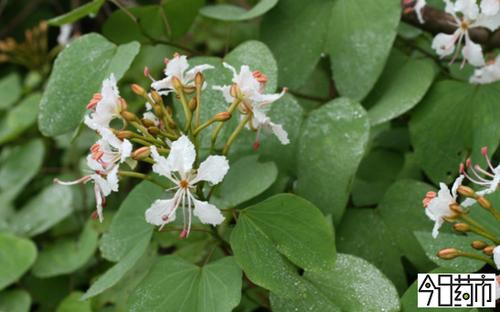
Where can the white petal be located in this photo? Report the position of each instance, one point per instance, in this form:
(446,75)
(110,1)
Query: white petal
(207,213)
(213,169)
(93,164)
(177,66)
(492,22)
(98,202)
(419,6)
(64,34)
(182,155)
(161,166)
(496,256)
(125,150)
(160,208)
(456,184)
(469,8)
(280,133)
(112,179)
(197,69)
(473,53)
(102,184)
(226,92)
(164,86)
(437,226)
(444,44)
(490,7)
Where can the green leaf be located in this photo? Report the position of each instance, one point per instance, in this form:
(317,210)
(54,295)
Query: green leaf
(77,74)
(67,255)
(89,9)
(43,211)
(215,287)
(16,257)
(402,85)
(280,229)
(154,23)
(10,90)
(72,303)
(118,271)
(357,34)
(228,12)
(20,118)
(353,285)
(16,300)
(247,179)
(432,245)
(373,242)
(473,125)
(332,144)
(128,226)
(402,205)
(20,166)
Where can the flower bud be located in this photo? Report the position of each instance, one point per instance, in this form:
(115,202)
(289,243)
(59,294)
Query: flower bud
(156,97)
(461,227)
(158,111)
(488,250)
(123,104)
(124,134)
(234,90)
(154,130)
(483,202)
(141,153)
(456,208)
(148,122)
(466,191)
(189,90)
(137,89)
(448,253)
(176,83)
(478,244)
(192,104)
(199,79)
(129,116)
(222,116)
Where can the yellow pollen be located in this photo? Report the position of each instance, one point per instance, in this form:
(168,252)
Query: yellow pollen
(184,184)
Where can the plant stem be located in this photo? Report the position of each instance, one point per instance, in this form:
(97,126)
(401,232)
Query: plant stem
(187,112)
(215,134)
(234,135)
(477,257)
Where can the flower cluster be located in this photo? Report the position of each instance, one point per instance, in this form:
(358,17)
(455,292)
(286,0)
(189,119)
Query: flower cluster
(466,15)
(443,206)
(172,148)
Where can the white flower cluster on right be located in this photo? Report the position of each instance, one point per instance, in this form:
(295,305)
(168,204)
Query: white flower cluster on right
(468,14)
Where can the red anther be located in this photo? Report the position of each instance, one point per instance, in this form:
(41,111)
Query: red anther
(95,147)
(97,155)
(484,151)
(146,72)
(461,168)
(430,194)
(468,163)
(166,60)
(428,198)
(256,145)
(259,76)
(94,215)
(176,55)
(498,279)
(183,234)
(408,10)
(285,89)
(96,98)
(164,218)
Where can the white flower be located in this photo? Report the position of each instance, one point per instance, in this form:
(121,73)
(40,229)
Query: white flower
(103,160)
(178,67)
(488,73)
(489,181)
(64,34)
(104,106)
(445,44)
(497,287)
(419,7)
(149,115)
(254,101)
(437,206)
(496,256)
(178,168)
(490,7)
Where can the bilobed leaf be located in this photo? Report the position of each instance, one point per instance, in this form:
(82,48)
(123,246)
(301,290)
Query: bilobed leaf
(215,287)
(402,85)
(357,34)
(353,285)
(19,167)
(10,90)
(373,242)
(43,211)
(432,245)
(402,205)
(119,270)
(16,300)
(332,144)
(67,255)
(281,230)
(72,303)
(129,226)
(228,12)
(16,256)
(88,9)
(465,116)
(77,74)
(247,179)
(19,118)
